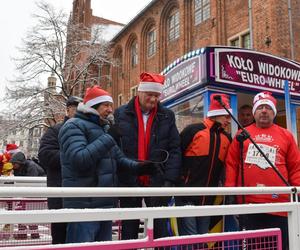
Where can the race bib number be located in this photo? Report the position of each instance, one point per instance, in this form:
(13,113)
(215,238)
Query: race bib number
(254,156)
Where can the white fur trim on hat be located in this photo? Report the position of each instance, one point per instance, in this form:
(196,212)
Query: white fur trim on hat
(150,87)
(217,112)
(99,99)
(12,151)
(266,102)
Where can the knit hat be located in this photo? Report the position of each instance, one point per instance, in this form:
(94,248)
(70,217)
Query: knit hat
(18,158)
(73,101)
(264,98)
(12,148)
(150,82)
(215,108)
(96,95)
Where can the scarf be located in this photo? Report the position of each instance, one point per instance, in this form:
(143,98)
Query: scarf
(144,137)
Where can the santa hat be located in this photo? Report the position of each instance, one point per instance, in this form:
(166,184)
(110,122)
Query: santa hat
(12,148)
(215,108)
(96,95)
(150,82)
(264,98)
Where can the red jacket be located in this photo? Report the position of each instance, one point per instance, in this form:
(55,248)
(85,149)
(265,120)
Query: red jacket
(279,144)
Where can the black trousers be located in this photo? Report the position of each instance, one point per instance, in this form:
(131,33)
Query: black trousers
(130,228)
(261,221)
(58,230)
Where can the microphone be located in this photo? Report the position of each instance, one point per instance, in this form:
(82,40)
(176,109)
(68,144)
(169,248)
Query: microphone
(111,119)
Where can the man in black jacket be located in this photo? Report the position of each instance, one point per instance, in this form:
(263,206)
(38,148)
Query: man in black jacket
(49,157)
(24,167)
(148,133)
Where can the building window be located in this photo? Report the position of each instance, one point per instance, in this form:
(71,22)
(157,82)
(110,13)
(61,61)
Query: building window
(246,41)
(151,42)
(241,40)
(173,24)
(202,11)
(133,91)
(235,43)
(120,100)
(134,54)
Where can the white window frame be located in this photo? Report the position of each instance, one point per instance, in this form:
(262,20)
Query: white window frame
(174,26)
(133,91)
(120,98)
(151,42)
(240,37)
(134,54)
(201,8)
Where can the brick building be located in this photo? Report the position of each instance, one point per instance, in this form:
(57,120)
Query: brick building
(87,42)
(167,29)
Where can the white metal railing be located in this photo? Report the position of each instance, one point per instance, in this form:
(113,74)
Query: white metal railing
(70,215)
(22,181)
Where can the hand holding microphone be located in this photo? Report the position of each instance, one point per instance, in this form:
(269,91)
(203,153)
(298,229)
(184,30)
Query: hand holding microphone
(114,130)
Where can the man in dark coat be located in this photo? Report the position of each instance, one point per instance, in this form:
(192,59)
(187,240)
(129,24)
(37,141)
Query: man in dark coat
(148,132)
(89,158)
(24,167)
(49,158)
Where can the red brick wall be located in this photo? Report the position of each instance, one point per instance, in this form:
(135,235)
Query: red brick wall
(227,19)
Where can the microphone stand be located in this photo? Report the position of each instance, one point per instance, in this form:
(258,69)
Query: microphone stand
(243,136)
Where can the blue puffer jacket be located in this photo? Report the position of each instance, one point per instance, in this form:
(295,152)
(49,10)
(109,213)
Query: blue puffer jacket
(89,158)
(164,136)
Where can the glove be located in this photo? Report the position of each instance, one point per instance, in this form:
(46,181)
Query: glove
(146,168)
(114,132)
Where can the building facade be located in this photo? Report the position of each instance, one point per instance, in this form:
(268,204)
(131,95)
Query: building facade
(167,29)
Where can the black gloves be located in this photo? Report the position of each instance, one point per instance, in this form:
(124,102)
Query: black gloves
(114,132)
(146,168)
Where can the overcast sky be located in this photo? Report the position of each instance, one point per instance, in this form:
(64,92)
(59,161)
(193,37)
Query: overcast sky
(15,20)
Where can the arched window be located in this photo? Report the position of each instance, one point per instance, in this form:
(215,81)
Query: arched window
(202,11)
(151,42)
(134,54)
(173,25)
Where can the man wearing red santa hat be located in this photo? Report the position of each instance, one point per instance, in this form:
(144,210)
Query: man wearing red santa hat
(149,133)
(89,158)
(204,146)
(279,144)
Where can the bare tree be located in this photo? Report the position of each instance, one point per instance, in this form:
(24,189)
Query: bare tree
(55,45)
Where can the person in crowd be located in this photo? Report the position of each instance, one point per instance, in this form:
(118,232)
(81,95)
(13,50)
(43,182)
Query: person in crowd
(280,146)
(49,158)
(25,167)
(245,115)
(148,132)
(204,146)
(89,158)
